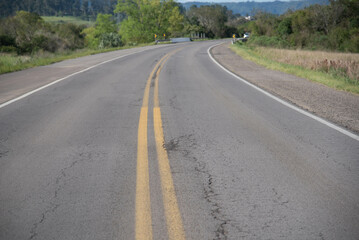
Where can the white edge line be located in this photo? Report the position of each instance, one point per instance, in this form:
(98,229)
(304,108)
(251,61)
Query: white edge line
(321,120)
(68,76)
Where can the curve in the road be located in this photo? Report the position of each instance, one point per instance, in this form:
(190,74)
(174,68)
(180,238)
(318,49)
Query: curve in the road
(321,120)
(68,76)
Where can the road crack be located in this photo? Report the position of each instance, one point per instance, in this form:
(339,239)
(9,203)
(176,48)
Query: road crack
(60,182)
(211,197)
(184,144)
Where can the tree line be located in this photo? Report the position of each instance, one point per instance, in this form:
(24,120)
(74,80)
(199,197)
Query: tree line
(334,26)
(140,21)
(84,8)
(90,8)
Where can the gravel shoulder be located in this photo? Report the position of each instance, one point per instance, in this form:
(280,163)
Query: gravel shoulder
(339,107)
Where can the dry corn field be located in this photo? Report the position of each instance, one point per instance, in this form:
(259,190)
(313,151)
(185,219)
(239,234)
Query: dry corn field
(345,64)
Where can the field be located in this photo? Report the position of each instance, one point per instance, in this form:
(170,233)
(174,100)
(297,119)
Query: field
(336,70)
(67,19)
(345,64)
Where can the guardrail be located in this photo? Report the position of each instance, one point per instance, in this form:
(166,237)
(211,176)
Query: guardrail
(174,40)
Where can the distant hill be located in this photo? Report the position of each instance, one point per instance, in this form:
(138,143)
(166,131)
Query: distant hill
(249,8)
(83,8)
(87,8)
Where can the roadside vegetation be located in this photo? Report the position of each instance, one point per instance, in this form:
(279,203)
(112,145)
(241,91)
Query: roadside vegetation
(337,70)
(27,39)
(333,27)
(319,43)
(14,62)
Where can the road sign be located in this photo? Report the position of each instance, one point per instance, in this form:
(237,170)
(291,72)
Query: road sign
(234,35)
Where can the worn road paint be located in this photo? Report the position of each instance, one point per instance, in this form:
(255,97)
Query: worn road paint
(173,216)
(143,225)
(143,218)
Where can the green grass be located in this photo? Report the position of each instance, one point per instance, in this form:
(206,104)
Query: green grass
(67,19)
(329,79)
(13,62)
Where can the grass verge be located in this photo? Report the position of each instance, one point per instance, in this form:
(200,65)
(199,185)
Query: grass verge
(269,58)
(11,62)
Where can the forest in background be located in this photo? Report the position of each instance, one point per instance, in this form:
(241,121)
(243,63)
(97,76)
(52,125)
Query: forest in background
(88,9)
(139,22)
(332,27)
(130,22)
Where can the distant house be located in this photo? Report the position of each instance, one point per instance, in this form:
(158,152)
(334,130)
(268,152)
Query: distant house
(248,18)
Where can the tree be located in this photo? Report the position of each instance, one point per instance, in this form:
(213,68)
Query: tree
(26,28)
(211,17)
(175,21)
(104,34)
(145,18)
(285,27)
(265,24)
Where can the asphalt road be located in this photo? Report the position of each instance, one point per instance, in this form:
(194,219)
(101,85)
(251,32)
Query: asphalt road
(221,160)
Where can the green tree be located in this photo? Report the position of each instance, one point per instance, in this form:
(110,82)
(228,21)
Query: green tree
(284,28)
(71,35)
(265,24)
(211,17)
(144,18)
(104,33)
(28,29)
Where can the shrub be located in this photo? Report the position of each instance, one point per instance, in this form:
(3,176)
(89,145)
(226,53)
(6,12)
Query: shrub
(72,35)
(268,41)
(285,27)
(28,33)
(6,40)
(104,34)
(7,49)
(318,41)
(108,40)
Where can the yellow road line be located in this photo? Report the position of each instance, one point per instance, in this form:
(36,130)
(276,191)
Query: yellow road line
(143,202)
(173,216)
(143,225)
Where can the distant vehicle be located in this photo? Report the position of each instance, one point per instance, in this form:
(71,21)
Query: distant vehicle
(246,35)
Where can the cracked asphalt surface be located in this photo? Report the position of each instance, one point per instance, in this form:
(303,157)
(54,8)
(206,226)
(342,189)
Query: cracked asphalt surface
(243,165)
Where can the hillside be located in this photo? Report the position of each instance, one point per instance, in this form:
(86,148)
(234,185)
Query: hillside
(57,7)
(90,8)
(249,8)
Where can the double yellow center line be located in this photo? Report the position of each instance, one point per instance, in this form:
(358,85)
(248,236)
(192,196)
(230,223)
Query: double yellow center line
(143,226)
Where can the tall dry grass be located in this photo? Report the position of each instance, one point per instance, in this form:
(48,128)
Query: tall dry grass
(343,64)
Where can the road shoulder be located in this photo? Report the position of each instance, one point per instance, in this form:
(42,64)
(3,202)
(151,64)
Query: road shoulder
(336,106)
(17,84)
